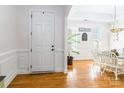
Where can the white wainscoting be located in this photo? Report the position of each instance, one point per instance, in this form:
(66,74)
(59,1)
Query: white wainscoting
(59,60)
(8,66)
(18,62)
(23,61)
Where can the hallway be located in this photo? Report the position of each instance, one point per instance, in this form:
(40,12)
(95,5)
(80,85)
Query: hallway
(80,76)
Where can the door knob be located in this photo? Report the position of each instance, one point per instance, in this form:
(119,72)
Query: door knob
(52,49)
(52,46)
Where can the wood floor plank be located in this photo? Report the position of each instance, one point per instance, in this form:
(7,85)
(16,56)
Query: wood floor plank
(80,75)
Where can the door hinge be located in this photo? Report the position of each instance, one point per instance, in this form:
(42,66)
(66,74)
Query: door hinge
(31,15)
(31,33)
(31,66)
(31,50)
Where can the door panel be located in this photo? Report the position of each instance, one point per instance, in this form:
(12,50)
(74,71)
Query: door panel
(42,40)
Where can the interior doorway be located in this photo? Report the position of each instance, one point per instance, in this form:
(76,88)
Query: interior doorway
(88,31)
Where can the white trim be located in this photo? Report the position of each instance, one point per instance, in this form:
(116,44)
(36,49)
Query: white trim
(24,72)
(8,52)
(7,58)
(65,46)
(30,41)
(11,78)
(65,37)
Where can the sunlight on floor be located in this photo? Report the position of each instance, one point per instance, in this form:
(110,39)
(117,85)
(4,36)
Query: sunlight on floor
(94,72)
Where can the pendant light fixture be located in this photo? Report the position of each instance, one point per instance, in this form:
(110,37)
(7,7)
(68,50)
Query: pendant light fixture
(115,29)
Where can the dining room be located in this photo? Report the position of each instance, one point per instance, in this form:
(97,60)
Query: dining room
(101,51)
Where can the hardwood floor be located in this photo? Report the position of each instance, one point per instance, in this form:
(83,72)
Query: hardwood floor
(80,75)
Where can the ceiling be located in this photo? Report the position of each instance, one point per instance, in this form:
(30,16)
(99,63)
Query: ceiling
(95,12)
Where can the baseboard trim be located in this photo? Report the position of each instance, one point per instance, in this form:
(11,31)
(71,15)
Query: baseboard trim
(7,60)
(11,79)
(25,72)
(84,60)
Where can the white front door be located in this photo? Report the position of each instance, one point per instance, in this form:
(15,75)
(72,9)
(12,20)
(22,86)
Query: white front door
(42,41)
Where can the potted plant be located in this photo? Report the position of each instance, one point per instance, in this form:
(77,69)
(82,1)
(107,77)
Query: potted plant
(72,41)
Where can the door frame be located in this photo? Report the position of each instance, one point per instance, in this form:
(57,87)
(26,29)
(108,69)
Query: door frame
(30,36)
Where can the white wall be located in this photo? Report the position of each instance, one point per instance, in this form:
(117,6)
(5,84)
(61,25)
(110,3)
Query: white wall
(8,43)
(8,34)
(23,34)
(86,48)
(105,37)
